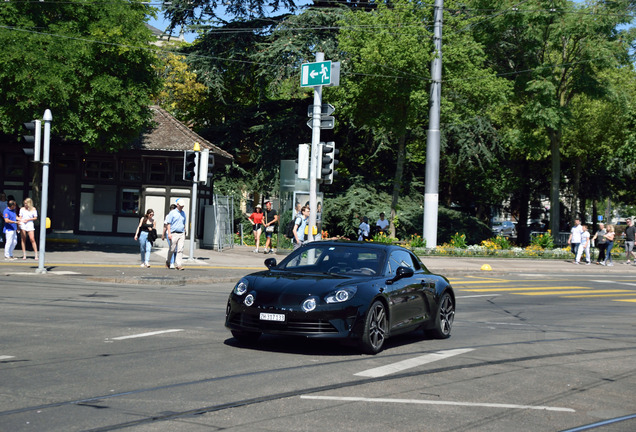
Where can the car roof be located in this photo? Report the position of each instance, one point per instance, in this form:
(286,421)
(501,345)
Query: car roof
(350,243)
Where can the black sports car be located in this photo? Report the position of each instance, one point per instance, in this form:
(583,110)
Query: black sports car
(334,289)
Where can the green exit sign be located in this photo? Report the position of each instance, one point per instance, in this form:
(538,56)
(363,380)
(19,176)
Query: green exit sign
(315,74)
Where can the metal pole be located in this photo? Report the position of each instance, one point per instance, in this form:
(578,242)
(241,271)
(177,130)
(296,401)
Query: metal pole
(313,166)
(48,118)
(193,210)
(431,191)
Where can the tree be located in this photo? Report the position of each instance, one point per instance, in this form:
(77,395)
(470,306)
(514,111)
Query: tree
(387,55)
(90,64)
(552,52)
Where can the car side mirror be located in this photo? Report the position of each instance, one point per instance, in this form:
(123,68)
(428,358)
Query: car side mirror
(270,262)
(400,273)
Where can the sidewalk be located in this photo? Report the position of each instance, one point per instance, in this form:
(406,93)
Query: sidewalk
(116,263)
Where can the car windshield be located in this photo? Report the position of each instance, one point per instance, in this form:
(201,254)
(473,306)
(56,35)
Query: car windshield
(330,258)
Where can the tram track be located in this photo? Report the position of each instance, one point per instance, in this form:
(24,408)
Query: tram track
(96,400)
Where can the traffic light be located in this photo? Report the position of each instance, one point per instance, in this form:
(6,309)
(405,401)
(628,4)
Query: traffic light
(302,168)
(36,128)
(206,166)
(327,162)
(191,165)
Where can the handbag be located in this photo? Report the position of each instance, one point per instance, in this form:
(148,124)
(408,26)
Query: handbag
(269,228)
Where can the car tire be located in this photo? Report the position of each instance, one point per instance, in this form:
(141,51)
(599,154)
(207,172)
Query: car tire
(445,317)
(376,326)
(245,337)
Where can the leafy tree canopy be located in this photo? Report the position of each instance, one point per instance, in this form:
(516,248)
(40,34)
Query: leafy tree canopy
(90,63)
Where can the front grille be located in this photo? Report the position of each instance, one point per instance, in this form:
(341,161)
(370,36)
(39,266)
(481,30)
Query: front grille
(312,326)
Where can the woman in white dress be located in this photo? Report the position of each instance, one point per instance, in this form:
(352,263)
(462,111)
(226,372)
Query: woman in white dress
(28,214)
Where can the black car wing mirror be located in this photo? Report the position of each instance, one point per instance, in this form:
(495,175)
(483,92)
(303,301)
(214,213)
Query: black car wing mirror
(270,262)
(400,273)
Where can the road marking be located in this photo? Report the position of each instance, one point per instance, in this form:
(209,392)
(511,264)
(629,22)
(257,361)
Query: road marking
(479,295)
(5,357)
(626,300)
(510,289)
(615,282)
(633,293)
(146,334)
(430,402)
(566,293)
(411,363)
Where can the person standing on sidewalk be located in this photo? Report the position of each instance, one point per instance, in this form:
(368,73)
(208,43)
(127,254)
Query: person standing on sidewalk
(163,235)
(175,227)
(28,214)
(609,236)
(629,234)
(271,219)
(256,218)
(575,237)
(10,229)
(601,243)
(146,225)
(584,247)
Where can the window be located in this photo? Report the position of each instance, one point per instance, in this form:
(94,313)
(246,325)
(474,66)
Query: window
(131,170)
(401,259)
(130,201)
(157,171)
(99,170)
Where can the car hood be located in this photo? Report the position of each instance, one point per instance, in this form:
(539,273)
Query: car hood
(288,288)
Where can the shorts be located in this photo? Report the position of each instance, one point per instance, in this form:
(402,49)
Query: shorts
(257,227)
(268,234)
(629,246)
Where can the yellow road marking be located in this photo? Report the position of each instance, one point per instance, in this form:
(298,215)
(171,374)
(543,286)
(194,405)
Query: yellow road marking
(626,300)
(633,293)
(511,289)
(568,292)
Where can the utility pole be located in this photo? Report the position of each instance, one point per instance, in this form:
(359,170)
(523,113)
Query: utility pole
(193,202)
(313,165)
(431,191)
(48,118)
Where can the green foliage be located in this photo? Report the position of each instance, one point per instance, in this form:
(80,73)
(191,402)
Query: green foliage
(383,238)
(543,241)
(89,65)
(452,221)
(458,241)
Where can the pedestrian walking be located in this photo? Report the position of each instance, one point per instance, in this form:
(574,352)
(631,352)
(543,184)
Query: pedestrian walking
(584,247)
(575,237)
(300,227)
(271,219)
(609,236)
(256,218)
(28,215)
(600,242)
(175,227)
(629,234)
(146,225)
(10,229)
(163,235)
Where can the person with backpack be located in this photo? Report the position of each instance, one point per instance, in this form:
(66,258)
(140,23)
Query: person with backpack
(300,227)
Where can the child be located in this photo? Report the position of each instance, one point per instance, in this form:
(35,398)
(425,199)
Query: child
(584,247)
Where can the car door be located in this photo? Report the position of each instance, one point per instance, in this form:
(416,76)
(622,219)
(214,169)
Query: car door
(406,298)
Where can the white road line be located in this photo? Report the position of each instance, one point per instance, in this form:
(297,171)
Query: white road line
(411,363)
(5,357)
(146,334)
(430,402)
(614,282)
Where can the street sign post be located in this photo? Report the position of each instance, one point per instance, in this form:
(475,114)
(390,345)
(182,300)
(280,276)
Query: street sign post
(326,122)
(326,110)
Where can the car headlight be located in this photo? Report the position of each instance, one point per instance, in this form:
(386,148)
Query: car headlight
(341,295)
(241,287)
(309,304)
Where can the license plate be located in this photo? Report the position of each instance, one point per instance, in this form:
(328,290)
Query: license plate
(272,317)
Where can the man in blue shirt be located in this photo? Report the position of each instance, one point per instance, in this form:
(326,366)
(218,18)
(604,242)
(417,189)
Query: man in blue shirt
(300,226)
(175,228)
(10,229)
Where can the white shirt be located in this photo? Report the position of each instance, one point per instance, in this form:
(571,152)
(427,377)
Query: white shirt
(382,223)
(576,234)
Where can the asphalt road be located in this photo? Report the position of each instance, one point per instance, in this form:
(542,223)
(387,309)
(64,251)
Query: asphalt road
(527,353)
